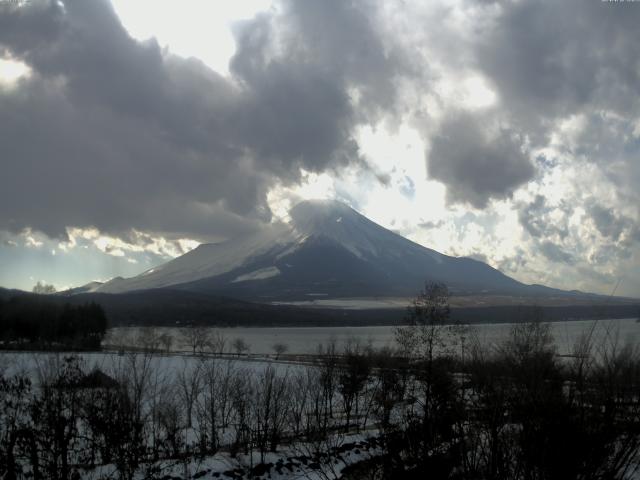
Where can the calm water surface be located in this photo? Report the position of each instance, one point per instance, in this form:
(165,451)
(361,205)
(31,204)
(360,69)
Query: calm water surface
(306,339)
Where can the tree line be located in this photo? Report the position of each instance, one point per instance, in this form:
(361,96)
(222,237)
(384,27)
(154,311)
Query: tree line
(38,322)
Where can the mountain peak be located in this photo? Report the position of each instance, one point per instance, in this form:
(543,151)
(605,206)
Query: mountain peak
(340,224)
(321,207)
(315,217)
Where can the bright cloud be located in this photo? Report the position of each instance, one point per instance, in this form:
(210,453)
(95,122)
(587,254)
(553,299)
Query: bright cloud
(11,71)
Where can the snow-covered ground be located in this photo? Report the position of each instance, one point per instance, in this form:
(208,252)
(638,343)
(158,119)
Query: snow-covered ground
(294,462)
(34,364)
(290,461)
(350,303)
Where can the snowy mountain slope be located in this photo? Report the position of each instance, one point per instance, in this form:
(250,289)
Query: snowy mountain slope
(329,250)
(87,288)
(204,261)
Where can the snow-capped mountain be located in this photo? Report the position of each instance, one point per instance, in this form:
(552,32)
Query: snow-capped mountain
(327,250)
(86,288)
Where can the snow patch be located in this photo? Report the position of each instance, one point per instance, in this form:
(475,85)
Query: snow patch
(258,274)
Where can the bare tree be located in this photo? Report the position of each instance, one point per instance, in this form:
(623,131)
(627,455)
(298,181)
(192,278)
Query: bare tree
(241,394)
(130,411)
(196,337)
(301,385)
(280,349)
(171,426)
(161,391)
(328,366)
(390,376)
(217,342)
(148,339)
(166,339)
(323,452)
(269,409)
(427,331)
(189,384)
(353,374)
(214,403)
(15,402)
(43,288)
(119,339)
(240,346)
(56,410)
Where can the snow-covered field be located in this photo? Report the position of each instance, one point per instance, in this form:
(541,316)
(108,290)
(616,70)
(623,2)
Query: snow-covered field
(165,380)
(293,462)
(350,303)
(36,364)
(206,416)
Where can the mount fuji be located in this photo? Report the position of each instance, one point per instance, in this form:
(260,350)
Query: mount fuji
(327,250)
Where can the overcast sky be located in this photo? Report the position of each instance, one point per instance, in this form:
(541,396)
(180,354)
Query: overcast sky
(508,131)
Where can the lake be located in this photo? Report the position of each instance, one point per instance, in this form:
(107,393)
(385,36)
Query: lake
(303,340)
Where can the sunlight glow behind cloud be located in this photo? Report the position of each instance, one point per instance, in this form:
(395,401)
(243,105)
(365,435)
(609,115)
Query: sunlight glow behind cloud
(190,28)
(11,71)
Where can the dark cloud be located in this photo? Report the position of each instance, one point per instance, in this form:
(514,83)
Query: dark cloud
(550,59)
(612,143)
(536,218)
(545,162)
(514,264)
(556,253)
(573,64)
(344,37)
(115,133)
(112,133)
(607,223)
(432,225)
(608,253)
(547,63)
(298,71)
(530,219)
(476,164)
(610,224)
